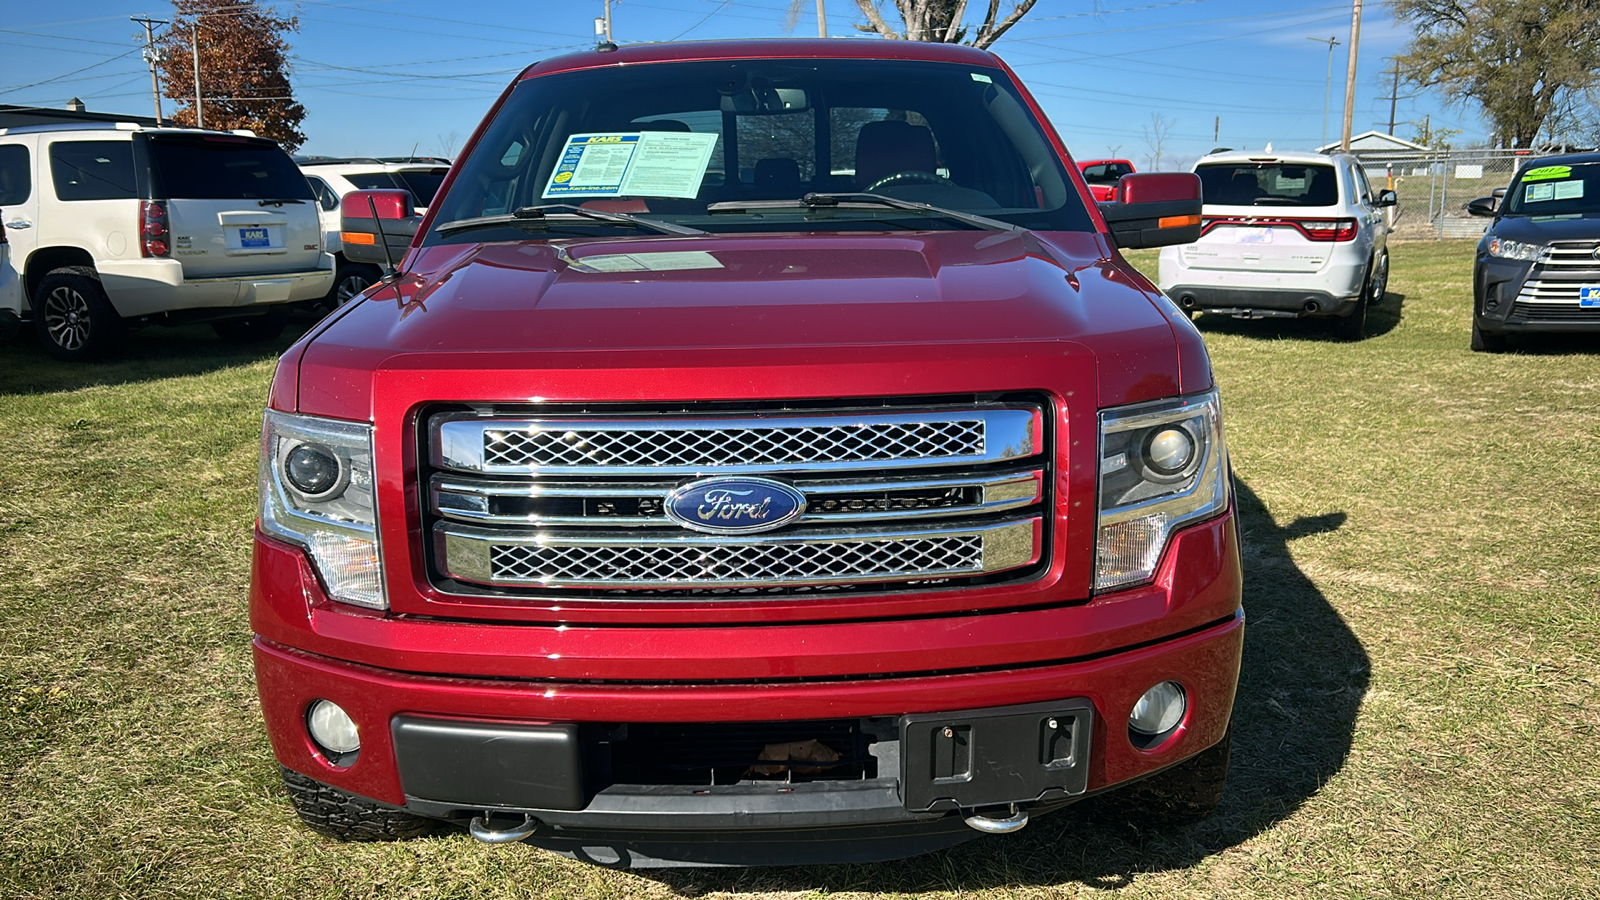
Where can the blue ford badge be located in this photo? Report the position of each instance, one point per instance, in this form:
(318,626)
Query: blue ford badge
(735,505)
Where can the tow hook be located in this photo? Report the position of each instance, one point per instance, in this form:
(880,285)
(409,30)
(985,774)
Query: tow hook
(483,831)
(992,825)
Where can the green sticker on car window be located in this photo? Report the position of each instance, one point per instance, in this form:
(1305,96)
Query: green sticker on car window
(1548,173)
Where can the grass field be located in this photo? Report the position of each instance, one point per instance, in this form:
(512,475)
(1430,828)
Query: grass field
(1419,714)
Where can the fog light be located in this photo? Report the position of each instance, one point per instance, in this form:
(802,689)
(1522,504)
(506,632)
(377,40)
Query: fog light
(332,728)
(1159,710)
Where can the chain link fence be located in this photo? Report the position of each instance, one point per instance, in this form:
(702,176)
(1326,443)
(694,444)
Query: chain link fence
(1435,186)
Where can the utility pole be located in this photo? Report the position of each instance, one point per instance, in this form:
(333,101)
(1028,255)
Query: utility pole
(151,56)
(608,22)
(194,55)
(1216,132)
(1327,92)
(1394,95)
(1350,76)
(822,20)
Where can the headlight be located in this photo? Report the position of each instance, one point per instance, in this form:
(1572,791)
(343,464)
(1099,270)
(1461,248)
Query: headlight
(1515,249)
(317,492)
(1163,465)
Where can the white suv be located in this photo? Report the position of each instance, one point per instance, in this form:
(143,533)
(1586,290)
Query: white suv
(331,179)
(1284,235)
(117,224)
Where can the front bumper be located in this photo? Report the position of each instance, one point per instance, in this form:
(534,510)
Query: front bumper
(1517,297)
(425,693)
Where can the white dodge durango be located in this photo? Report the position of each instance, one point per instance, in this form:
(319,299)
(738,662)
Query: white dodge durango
(1284,235)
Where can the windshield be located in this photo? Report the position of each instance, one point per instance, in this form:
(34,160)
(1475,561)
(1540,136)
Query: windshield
(222,167)
(1268,184)
(422,183)
(1546,190)
(669,140)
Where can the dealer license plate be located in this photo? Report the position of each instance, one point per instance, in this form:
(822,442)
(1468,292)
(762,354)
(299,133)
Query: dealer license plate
(1589,296)
(251,238)
(1253,235)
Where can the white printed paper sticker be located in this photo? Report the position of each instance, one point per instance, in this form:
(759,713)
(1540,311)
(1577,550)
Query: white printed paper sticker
(1536,193)
(647,164)
(1569,190)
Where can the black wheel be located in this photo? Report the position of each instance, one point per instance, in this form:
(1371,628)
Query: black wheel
(1378,282)
(1175,797)
(1353,327)
(350,280)
(249,330)
(74,319)
(330,811)
(1487,341)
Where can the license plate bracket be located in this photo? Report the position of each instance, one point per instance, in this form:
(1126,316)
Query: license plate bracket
(984,757)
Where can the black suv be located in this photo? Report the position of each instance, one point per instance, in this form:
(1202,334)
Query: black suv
(1538,266)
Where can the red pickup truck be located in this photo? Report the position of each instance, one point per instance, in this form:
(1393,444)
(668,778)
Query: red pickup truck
(760,452)
(1102,176)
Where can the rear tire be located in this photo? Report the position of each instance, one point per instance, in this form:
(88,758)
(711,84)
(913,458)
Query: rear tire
(250,330)
(73,317)
(1353,327)
(1182,795)
(336,814)
(350,280)
(1487,341)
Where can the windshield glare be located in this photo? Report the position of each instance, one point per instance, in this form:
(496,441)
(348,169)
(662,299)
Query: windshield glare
(667,140)
(1554,190)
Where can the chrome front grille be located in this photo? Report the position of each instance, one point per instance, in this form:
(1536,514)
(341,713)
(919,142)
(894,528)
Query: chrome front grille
(892,495)
(1571,254)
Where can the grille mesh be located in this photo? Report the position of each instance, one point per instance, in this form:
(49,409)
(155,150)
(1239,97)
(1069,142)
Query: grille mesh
(735,445)
(666,564)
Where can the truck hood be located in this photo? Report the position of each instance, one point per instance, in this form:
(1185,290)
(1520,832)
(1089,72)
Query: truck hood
(739,303)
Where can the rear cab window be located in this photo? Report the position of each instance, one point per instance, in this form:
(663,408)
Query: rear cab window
(422,184)
(1106,173)
(93,170)
(1269,184)
(223,167)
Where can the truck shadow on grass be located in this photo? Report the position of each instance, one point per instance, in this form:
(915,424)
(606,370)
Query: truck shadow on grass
(148,354)
(1381,319)
(1303,678)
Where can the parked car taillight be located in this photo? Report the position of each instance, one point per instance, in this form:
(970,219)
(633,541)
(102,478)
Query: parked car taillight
(153,229)
(1320,230)
(1339,230)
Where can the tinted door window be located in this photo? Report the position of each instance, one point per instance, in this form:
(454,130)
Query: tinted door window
(93,170)
(325,195)
(1269,184)
(16,175)
(219,168)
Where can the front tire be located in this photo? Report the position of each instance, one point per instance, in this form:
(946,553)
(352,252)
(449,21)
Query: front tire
(336,814)
(1487,341)
(74,319)
(1176,797)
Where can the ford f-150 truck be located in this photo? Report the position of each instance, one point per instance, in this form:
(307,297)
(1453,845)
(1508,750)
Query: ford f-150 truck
(759,452)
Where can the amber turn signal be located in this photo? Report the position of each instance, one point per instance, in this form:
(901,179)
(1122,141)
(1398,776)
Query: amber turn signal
(356,237)
(1177,221)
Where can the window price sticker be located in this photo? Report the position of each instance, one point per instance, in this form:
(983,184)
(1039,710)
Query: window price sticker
(638,164)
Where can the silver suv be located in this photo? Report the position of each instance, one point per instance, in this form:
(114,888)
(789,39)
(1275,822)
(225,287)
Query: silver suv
(1284,235)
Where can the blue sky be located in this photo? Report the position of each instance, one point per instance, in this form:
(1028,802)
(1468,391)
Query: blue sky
(384,77)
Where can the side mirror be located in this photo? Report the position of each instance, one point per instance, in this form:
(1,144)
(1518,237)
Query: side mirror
(1386,198)
(1154,209)
(1483,206)
(358,227)
(1500,193)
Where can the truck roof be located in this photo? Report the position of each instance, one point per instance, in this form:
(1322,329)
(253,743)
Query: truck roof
(785,48)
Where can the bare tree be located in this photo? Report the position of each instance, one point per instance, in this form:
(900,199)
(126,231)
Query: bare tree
(941,21)
(447,144)
(1155,138)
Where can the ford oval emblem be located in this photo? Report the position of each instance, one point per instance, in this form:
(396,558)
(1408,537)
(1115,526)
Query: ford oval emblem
(735,505)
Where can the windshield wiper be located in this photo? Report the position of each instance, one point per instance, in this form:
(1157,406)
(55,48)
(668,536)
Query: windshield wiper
(277,202)
(541,215)
(858,201)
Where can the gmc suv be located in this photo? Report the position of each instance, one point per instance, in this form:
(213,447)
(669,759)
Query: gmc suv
(759,452)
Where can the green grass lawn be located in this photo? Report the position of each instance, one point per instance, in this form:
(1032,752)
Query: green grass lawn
(1419,714)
